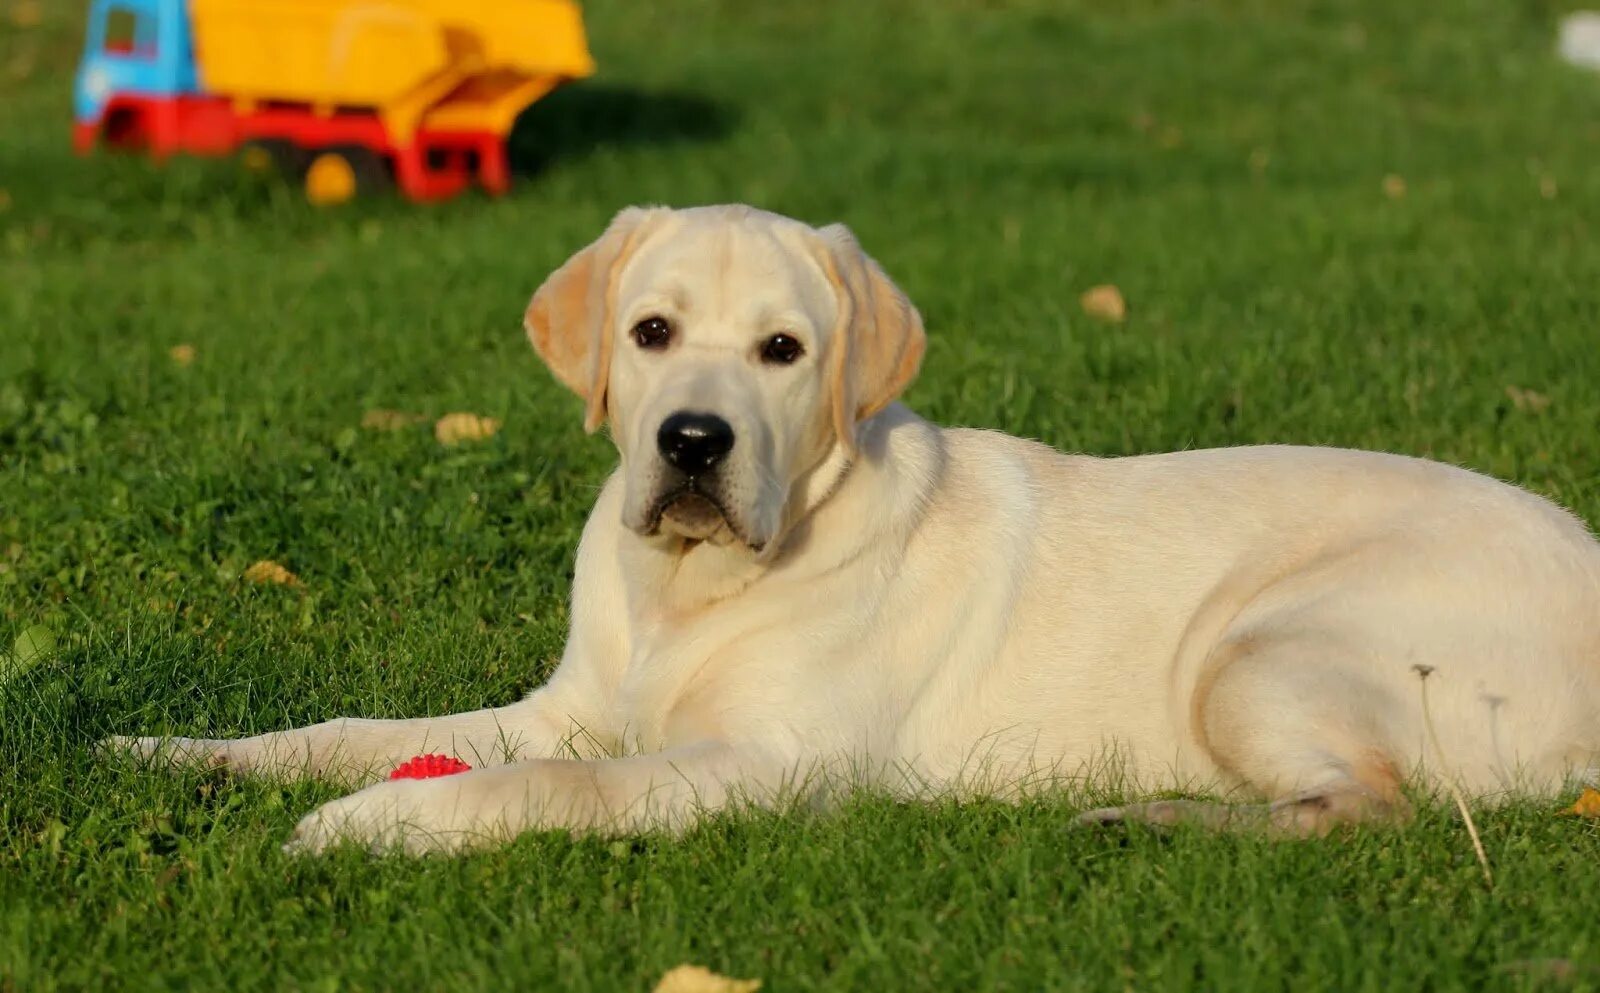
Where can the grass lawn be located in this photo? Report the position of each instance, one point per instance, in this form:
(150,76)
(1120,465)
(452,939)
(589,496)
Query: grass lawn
(1224,164)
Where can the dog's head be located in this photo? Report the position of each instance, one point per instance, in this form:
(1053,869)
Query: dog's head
(732,350)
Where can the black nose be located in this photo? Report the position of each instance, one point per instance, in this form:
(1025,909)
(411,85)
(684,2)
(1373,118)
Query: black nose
(694,443)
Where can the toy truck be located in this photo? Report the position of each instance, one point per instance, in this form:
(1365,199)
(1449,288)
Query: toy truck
(343,95)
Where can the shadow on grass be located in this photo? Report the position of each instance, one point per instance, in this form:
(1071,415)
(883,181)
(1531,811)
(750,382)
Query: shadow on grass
(580,120)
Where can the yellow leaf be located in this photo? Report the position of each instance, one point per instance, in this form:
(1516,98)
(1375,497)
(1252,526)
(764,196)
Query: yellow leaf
(454,429)
(26,13)
(698,979)
(1104,302)
(1394,187)
(33,644)
(182,355)
(21,65)
(1588,804)
(269,572)
(389,420)
(1528,400)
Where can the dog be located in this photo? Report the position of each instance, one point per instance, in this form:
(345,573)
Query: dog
(792,572)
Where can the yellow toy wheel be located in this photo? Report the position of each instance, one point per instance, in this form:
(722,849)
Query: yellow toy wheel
(340,173)
(330,180)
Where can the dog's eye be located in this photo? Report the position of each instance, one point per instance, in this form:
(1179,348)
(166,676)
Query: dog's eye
(780,349)
(652,333)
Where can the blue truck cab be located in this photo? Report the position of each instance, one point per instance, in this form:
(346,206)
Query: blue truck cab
(138,47)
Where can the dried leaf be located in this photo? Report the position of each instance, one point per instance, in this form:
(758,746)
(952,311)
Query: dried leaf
(698,979)
(1548,188)
(454,429)
(1556,969)
(389,420)
(1529,400)
(27,13)
(268,572)
(5,200)
(1105,303)
(1394,187)
(33,645)
(1588,804)
(182,355)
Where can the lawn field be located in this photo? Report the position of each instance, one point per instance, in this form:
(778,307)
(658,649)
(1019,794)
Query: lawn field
(1363,223)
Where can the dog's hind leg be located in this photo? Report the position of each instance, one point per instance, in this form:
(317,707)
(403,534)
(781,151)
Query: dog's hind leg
(1313,814)
(1294,720)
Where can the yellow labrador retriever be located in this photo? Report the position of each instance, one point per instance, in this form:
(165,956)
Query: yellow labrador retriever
(791,572)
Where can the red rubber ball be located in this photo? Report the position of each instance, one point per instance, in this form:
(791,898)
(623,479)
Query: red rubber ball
(429,766)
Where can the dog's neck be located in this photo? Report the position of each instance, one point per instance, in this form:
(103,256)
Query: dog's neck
(815,487)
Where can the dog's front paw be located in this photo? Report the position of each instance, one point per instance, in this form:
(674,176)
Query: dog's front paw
(415,817)
(174,752)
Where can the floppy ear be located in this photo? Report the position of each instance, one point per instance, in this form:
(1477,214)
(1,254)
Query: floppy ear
(878,336)
(569,318)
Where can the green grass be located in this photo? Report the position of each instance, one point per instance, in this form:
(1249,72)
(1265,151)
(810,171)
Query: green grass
(1222,163)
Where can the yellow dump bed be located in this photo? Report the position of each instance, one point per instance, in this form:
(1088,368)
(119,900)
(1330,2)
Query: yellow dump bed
(471,61)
